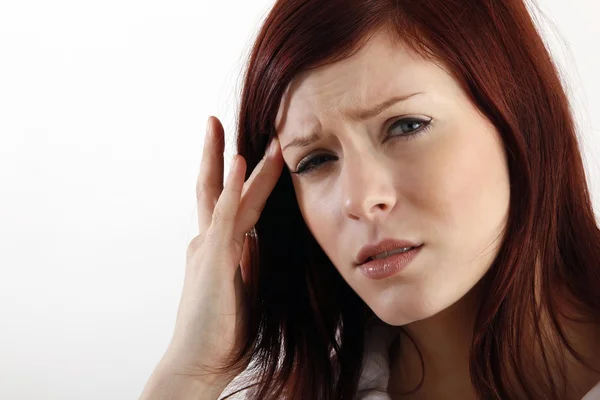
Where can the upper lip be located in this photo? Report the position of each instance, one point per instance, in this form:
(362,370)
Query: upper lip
(371,250)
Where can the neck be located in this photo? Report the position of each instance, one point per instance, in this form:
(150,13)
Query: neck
(443,342)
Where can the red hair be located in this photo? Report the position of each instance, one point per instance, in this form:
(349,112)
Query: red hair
(305,326)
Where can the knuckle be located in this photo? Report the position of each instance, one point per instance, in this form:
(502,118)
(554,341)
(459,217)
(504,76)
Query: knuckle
(255,212)
(200,190)
(217,215)
(195,245)
(235,191)
(211,238)
(220,215)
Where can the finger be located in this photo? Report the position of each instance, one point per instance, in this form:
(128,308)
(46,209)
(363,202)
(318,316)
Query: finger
(210,178)
(258,187)
(255,172)
(224,214)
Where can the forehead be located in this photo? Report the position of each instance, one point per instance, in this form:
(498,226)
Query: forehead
(381,69)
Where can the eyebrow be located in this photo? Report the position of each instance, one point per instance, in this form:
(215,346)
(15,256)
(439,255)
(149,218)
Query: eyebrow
(359,115)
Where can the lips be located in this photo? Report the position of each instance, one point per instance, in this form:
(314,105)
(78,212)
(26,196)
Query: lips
(372,250)
(382,268)
(386,254)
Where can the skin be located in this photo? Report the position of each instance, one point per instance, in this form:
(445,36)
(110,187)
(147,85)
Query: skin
(447,188)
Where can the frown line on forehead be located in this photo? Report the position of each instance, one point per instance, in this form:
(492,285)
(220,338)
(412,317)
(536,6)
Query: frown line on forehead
(355,115)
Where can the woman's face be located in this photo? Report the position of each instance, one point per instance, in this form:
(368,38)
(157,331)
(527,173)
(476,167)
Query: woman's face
(430,169)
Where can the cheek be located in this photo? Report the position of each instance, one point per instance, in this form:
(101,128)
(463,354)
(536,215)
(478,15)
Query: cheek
(466,188)
(316,210)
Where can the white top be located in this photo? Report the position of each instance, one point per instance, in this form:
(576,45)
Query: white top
(373,381)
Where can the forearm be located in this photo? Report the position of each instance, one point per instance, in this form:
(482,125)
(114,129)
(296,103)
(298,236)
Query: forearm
(164,385)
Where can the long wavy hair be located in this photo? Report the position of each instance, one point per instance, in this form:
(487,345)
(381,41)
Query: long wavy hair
(305,327)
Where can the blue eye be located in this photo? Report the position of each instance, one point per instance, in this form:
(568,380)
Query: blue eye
(309,164)
(410,122)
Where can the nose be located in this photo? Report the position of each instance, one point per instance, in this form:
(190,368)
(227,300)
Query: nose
(368,190)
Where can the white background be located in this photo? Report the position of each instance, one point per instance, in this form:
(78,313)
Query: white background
(103,107)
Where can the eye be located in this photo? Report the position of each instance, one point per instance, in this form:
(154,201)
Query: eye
(415,126)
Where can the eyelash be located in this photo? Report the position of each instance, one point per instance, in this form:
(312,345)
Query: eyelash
(303,168)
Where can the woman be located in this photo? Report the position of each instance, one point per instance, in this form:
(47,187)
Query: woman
(436,130)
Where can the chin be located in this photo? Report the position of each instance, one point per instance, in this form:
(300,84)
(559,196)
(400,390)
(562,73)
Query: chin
(398,318)
(400,311)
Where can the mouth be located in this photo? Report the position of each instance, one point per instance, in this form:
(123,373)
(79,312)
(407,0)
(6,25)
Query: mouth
(387,264)
(383,249)
(386,254)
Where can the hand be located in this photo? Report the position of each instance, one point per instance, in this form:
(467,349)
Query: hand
(212,311)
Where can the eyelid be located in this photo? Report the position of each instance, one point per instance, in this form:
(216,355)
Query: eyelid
(394,120)
(426,124)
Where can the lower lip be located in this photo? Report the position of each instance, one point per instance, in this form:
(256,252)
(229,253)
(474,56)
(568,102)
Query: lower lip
(386,267)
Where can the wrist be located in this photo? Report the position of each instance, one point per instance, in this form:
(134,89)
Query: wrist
(177,363)
(193,377)
(166,383)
